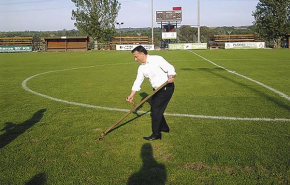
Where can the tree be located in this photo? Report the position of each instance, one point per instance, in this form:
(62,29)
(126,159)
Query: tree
(96,18)
(272,20)
(187,34)
(206,34)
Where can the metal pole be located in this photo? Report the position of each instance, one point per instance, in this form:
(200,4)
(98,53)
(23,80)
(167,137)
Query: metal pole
(152,34)
(198,21)
(119,24)
(229,32)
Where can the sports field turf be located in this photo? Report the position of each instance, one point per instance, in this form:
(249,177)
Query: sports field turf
(229,119)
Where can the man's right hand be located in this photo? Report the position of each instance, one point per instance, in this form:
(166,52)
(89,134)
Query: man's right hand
(129,99)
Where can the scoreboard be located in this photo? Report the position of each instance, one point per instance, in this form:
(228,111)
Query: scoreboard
(169,16)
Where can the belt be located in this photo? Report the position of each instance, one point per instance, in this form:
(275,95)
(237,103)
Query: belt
(167,85)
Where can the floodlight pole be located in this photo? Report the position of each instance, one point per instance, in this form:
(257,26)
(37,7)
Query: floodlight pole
(198,21)
(152,34)
(119,24)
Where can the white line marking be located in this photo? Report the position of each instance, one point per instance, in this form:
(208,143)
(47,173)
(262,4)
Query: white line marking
(255,81)
(228,118)
(24,86)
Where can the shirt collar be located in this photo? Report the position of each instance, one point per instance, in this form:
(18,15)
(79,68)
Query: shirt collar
(147,60)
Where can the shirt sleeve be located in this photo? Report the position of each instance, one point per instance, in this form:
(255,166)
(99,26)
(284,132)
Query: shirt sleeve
(139,80)
(166,67)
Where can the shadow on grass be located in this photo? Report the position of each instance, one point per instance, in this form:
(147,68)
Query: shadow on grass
(151,171)
(262,94)
(187,69)
(14,130)
(143,95)
(123,124)
(38,179)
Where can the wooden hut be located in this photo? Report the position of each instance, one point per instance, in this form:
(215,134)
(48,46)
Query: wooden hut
(66,43)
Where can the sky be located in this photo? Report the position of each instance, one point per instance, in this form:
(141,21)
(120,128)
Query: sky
(53,15)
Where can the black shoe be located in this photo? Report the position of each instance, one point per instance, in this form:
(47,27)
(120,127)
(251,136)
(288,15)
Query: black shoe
(152,137)
(165,130)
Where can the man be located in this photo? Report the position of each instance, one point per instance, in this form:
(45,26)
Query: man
(158,71)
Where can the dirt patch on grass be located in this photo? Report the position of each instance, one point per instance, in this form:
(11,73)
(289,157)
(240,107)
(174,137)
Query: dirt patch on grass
(88,154)
(97,129)
(198,166)
(159,153)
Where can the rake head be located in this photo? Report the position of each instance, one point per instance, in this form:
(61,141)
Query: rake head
(102,136)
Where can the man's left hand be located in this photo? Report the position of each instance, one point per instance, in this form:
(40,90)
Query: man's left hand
(171,78)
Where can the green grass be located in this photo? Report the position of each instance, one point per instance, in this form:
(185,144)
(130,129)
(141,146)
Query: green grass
(49,142)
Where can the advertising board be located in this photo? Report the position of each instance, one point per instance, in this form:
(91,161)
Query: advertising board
(130,47)
(169,35)
(186,46)
(12,49)
(244,45)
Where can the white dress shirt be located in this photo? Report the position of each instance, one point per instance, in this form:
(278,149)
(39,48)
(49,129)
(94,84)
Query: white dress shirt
(157,69)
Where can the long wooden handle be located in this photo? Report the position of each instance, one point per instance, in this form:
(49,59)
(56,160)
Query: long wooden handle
(134,108)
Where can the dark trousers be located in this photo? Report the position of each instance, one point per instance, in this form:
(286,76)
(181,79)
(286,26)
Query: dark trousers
(159,102)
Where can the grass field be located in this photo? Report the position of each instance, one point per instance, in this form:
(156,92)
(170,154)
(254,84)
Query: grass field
(225,128)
